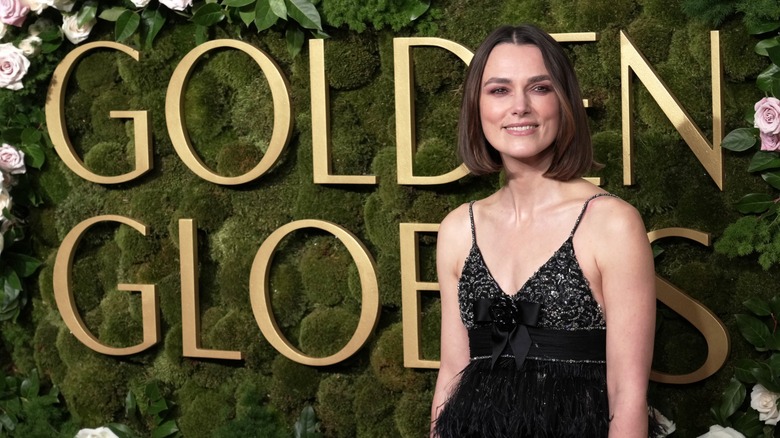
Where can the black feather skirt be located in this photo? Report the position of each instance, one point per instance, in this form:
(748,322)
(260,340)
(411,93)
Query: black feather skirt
(540,399)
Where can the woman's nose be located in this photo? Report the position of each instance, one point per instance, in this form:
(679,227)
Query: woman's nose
(520,104)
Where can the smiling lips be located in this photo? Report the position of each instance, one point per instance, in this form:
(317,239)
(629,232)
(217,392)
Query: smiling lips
(520,128)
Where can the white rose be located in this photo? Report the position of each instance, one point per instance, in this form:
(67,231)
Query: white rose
(5,202)
(13,67)
(30,46)
(721,432)
(11,160)
(177,5)
(667,425)
(3,29)
(63,5)
(2,242)
(140,3)
(100,432)
(765,402)
(74,33)
(37,6)
(13,12)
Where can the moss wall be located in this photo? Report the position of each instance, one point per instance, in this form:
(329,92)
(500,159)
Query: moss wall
(228,111)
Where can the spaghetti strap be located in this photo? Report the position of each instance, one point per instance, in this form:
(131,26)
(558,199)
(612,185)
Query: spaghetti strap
(585,207)
(471,219)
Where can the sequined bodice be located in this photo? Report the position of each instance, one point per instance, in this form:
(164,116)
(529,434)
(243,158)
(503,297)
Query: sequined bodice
(558,285)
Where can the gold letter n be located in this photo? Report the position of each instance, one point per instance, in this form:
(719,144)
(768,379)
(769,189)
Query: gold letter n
(708,154)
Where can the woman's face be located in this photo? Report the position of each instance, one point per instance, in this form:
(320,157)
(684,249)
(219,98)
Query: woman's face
(519,109)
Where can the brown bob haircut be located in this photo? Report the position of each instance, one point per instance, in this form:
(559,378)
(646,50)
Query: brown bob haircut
(572,152)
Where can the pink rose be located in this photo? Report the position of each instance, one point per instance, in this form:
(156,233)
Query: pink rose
(13,12)
(11,160)
(13,66)
(767,118)
(769,142)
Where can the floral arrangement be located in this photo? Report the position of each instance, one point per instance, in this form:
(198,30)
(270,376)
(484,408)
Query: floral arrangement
(14,266)
(759,231)
(758,417)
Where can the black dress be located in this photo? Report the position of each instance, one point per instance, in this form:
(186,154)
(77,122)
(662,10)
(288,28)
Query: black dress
(538,357)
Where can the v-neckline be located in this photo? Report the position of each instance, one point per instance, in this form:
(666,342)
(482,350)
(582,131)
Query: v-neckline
(527,281)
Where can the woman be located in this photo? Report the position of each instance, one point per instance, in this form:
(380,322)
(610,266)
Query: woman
(547,286)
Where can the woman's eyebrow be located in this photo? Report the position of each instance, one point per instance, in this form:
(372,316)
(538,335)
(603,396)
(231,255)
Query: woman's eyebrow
(531,80)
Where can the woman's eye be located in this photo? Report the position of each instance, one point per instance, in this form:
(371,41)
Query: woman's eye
(542,88)
(498,90)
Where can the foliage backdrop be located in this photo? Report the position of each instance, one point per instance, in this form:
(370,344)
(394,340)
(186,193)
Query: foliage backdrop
(229,113)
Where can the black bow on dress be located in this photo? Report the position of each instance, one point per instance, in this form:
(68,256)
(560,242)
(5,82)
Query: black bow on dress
(510,325)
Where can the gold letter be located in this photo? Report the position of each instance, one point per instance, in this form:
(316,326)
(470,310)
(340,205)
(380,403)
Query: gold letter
(190,306)
(260,294)
(404,109)
(410,294)
(63,293)
(696,313)
(175,123)
(709,155)
(55,119)
(320,125)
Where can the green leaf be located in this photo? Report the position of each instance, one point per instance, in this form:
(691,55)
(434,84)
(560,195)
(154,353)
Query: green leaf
(237,3)
(201,34)
(33,155)
(755,203)
(30,386)
(294,37)
(87,13)
(762,45)
(744,370)
(121,430)
(165,430)
(112,14)
(774,54)
(754,331)
(209,15)
(31,135)
(763,160)
(153,21)
(772,178)
(265,17)
(306,426)
(131,405)
(766,378)
(126,25)
(732,398)
(418,8)
(758,306)
(748,423)
(24,265)
(766,78)
(762,27)
(304,12)
(740,139)
(248,14)
(278,7)
(657,250)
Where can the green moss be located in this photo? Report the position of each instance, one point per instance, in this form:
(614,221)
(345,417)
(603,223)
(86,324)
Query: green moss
(351,62)
(374,406)
(326,331)
(94,389)
(293,385)
(335,398)
(323,263)
(47,358)
(387,361)
(122,324)
(413,414)
(193,422)
(597,14)
(289,303)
